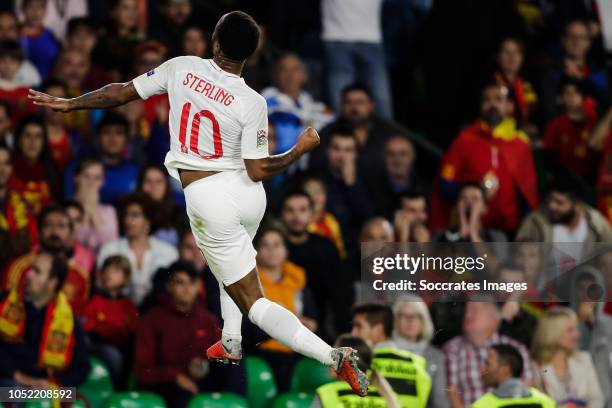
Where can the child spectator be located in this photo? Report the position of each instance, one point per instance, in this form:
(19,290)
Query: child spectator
(27,74)
(38,42)
(110,317)
(11,91)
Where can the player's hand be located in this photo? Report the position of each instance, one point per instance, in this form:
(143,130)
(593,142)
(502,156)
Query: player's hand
(46,100)
(308,140)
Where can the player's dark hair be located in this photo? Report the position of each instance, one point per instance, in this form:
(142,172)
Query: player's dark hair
(114,119)
(376,313)
(265,231)
(81,22)
(237,34)
(569,185)
(11,49)
(297,193)
(363,351)
(510,356)
(356,87)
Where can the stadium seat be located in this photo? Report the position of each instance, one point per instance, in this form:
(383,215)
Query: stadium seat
(308,375)
(98,386)
(294,400)
(132,384)
(261,386)
(45,403)
(135,400)
(218,400)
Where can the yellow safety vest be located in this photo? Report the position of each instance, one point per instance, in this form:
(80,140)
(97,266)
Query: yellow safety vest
(339,394)
(407,374)
(537,399)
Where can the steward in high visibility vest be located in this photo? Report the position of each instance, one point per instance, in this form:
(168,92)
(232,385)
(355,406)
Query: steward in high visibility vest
(503,369)
(338,394)
(407,374)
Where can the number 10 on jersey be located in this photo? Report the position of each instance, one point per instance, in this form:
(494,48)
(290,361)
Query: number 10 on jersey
(195,132)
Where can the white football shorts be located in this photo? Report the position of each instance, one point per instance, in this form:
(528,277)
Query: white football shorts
(224,211)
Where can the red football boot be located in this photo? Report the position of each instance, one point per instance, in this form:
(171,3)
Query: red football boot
(348,371)
(218,352)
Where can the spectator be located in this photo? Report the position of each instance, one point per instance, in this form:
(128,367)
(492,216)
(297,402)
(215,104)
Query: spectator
(72,68)
(494,153)
(57,15)
(27,74)
(347,196)
(575,64)
(175,20)
(37,41)
(371,131)
(319,257)
(466,353)
(154,182)
(568,134)
(120,176)
(283,282)
(352,39)
(18,232)
(510,59)
(290,107)
(466,222)
(110,317)
(594,327)
(119,38)
(6,135)
(82,36)
(413,331)
(502,370)
(194,42)
(34,171)
(336,393)
(76,213)
(57,237)
(377,230)
(65,144)
(566,218)
(145,252)
(323,223)
(373,323)
(99,220)
(399,175)
(38,348)
(601,140)
(11,89)
(566,374)
(171,340)
(410,218)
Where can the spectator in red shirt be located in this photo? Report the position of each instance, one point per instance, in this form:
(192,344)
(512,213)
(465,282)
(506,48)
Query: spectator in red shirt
(601,140)
(171,342)
(11,90)
(110,317)
(34,171)
(568,134)
(495,154)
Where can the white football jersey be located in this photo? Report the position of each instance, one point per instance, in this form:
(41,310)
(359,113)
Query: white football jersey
(215,120)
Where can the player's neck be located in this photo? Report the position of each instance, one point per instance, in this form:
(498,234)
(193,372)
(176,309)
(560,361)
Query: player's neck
(228,65)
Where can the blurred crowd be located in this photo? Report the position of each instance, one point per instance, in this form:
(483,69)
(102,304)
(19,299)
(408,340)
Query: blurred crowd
(441,121)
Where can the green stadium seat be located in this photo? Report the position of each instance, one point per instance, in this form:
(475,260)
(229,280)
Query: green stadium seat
(135,400)
(308,375)
(132,384)
(98,386)
(45,403)
(218,400)
(294,400)
(261,386)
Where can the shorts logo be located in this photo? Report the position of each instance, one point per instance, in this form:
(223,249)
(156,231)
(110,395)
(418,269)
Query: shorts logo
(262,138)
(151,72)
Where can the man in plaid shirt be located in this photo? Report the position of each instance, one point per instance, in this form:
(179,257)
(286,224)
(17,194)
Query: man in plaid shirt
(465,354)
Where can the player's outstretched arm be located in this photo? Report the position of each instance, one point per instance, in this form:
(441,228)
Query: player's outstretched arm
(262,169)
(108,96)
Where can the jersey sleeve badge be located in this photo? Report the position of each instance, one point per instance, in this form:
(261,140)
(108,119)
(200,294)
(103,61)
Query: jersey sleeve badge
(262,138)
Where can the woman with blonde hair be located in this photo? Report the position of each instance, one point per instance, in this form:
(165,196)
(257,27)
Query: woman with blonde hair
(413,332)
(566,374)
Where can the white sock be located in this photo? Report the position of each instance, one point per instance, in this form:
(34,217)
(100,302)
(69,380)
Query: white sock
(232,318)
(285,327)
